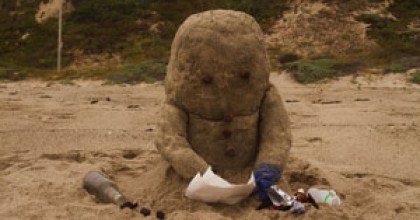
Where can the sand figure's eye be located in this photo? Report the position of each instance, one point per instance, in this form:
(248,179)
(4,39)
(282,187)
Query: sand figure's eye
(244,75)
(207,79)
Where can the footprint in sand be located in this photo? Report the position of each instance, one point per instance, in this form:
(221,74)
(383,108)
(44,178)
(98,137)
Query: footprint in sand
(73,156)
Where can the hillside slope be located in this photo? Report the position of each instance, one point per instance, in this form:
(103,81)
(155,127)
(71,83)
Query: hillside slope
(108,34)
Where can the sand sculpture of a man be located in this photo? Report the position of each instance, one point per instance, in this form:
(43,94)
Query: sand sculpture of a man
(220,109)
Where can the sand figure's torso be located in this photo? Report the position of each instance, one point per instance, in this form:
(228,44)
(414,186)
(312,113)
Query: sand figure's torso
(226,144)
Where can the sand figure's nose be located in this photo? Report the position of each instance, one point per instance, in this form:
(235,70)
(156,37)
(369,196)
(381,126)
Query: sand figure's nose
(227,134)
(207,79)
(230,151)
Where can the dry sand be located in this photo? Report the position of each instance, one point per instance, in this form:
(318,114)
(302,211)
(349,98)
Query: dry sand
(51,135)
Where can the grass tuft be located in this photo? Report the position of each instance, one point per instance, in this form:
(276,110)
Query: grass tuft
(396,68)
(415,78)
(394,36)
(148,72)
(11,74)
(309,71)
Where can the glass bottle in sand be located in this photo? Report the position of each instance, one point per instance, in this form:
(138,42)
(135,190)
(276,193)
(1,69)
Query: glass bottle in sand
(105,190)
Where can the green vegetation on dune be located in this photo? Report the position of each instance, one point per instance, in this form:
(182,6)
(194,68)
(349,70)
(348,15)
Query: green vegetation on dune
(37,50)
(98,26)
(141,32)
(148,71)
(394,35)
(398,49)
(396,68)
(108,26)
(313,70)
(415,78)
(10,74)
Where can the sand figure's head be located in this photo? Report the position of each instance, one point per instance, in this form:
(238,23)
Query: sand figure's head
(218,65)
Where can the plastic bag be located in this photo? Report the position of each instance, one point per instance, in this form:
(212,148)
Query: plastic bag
(214,189)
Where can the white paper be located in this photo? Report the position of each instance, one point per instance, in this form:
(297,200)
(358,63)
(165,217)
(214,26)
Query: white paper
(214,189)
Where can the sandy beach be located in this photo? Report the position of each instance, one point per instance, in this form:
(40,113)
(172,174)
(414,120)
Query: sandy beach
(357,135)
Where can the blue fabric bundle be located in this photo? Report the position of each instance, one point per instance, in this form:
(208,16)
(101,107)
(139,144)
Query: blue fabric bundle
(265,176)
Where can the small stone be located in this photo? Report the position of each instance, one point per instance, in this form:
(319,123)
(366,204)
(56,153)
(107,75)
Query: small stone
(108,99)
(145,212)
(13,93)
(94,102)
(160,215)
(292,100)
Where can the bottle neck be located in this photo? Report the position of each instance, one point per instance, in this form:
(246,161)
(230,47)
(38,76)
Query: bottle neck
(115,196)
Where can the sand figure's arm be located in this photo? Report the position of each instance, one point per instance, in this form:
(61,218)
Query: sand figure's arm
(274,130)
(173,145)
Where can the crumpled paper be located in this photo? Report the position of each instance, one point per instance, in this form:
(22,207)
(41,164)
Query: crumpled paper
(211,188)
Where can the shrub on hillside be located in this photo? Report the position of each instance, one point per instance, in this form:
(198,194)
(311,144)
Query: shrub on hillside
(10,74)
(288,57)
(393,35)
(375,20)
(148,71)
(108,26)
(416,77)
(396,68)
(309,71)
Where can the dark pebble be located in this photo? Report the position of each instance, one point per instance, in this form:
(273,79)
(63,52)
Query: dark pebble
(145,212)
(160,215)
